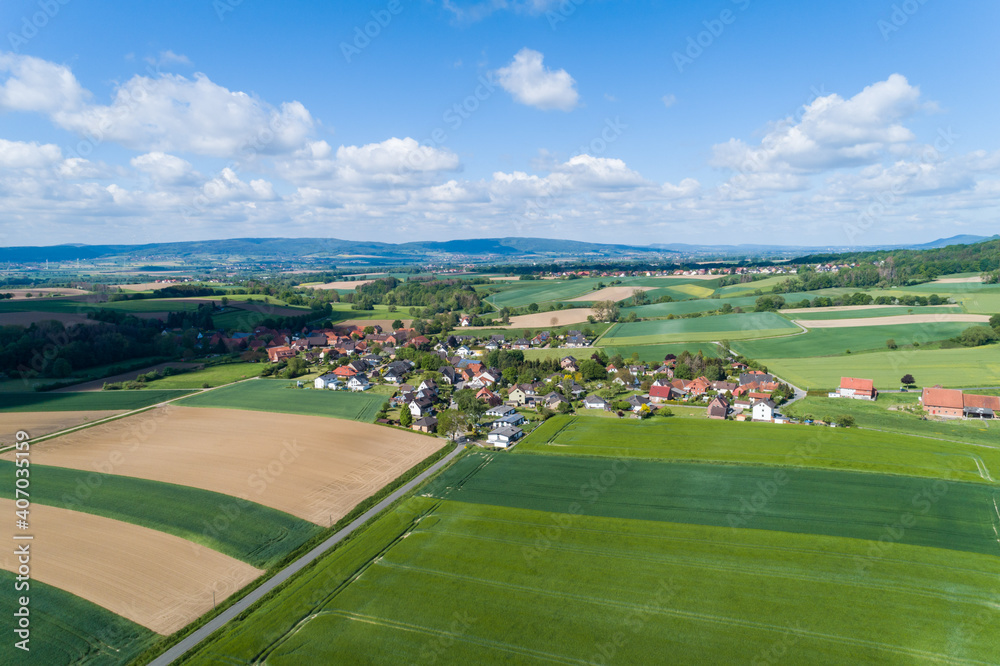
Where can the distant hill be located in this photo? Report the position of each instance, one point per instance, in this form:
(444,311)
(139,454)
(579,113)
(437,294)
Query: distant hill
(964,239)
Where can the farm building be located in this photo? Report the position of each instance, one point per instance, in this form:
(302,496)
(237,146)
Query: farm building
(859,389)
(275,354)
(953,404)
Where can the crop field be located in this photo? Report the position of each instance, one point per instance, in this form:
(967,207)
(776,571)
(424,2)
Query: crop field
(864,312)
(70,306)
(213,375)
(66,629)
(806,501)
(312,467)
(84,400)
(650,353)
(279,395)
(678,308)
(749,287)
(523,292)
(837,341)
(892,412)
(702,440)
(955,368)
(817,599)
(152,578)
(701,329)
(241,529)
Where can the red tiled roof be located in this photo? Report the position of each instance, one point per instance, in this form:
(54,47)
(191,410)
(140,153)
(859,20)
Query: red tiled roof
(865,385)
(660,391)
(939,397)
(982,401)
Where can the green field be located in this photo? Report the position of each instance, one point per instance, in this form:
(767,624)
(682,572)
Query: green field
(891,311)
(521,293)
(678,308)
(805,501)
(650,353)
(905,417)
(248,531)
(274,395)
(977,366)
(700,329)
(702,440)
(487,584)
(59,305)
(66,629)
(84,400)
(213,375)
(838,341)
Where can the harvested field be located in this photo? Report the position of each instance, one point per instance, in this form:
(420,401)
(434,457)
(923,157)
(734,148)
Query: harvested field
(20,294)
(98,384)
(344,284)
(37,424)
(506,278)
(611,294)
(157,580)
(545,319)
(313,467)
(29,318)
(974,278)
(943,318)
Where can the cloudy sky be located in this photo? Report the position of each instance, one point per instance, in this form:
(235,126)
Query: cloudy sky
(716,122)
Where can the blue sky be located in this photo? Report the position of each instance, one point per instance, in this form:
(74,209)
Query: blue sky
(731,121)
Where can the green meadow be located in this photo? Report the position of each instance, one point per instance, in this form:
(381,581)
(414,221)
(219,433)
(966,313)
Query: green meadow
(838,341)
(280,395)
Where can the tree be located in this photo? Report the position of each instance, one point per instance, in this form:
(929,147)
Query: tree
(846,421)
(891,344)
(405,417)
(532,307)
(976,336)
(592,370)
(471,406)
(995,322)
(908,380)
(606,311)
(452,424)
(769,303)
(397,324)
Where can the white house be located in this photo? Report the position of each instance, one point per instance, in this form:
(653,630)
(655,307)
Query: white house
(329,380)
(505,437)
(359,382)
(500,411)
(465,350)
(595,402)
(852,387)
(512,420)
(764,410)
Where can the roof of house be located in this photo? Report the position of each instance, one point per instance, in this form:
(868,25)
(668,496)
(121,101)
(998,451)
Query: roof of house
(427,421)
(660,391)
(506,431)
(865,385)
(973,401)
(940,397)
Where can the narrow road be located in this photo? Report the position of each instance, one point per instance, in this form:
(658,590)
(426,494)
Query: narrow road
(219,621)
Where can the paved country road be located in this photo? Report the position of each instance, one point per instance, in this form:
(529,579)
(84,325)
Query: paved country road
(219,621)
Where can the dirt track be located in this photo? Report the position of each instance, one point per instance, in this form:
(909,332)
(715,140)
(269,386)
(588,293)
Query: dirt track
(889,321)
(313,467)
(158,580)
(37,424)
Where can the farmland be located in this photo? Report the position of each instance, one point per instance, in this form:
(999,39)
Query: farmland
(312,467)
(700,440)
(236,527)
(84,400)
(276,395)
(838,341)
(700,329)
(213,375)
(655,353)
(865,312)
(39,424)
(670,579)
(978,366)
(66,629)
(157,580)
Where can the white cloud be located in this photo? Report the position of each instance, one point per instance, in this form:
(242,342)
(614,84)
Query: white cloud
(531,84)
(465,12)
(830,133)
(169,113)
(22,155)
(166,169)
(168,57)
(669,100)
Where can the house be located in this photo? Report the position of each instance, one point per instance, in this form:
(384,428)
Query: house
(569,363)
(517,395)
(425,424)
(489,397)
(637,402)
(448,374)
(359,382)
(511,420)
(276,354)
(576,341)
(505,437)
(659,394)
(699,386)
(392,376)
(755,376)
(492,345)
(500,411)
(724,387)
(429,386)
(718,408)
(946,403)
(421,407)
(465,320)
(859,389)
(345,371)
(327,381)
(596,402)
(521,344)
(465,350)
(553,400)
(741,405)
(763,410)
